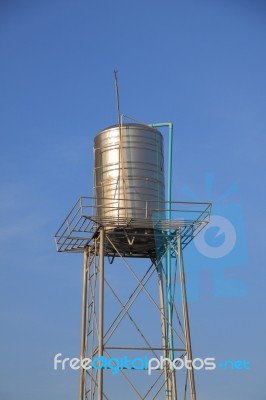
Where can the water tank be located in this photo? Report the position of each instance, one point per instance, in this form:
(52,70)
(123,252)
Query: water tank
(128,176)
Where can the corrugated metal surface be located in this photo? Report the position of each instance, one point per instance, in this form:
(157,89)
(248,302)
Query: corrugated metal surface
(128,171)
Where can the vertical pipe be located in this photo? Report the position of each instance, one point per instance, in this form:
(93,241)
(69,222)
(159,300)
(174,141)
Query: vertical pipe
(168,259)
(168,216)
(186,316)
(170,157)
(169,291)
(82,374)
(168,256)
(101,311)
(170,126)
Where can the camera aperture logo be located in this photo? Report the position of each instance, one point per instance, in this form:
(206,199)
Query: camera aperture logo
(220,248)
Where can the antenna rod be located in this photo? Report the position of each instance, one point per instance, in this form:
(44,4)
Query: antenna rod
(117,97)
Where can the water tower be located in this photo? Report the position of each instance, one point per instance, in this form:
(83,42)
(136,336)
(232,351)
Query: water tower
(132,236)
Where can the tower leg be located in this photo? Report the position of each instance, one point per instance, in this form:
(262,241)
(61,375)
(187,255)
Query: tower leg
(186,317)
(101,311)
(82,376)
(163,329)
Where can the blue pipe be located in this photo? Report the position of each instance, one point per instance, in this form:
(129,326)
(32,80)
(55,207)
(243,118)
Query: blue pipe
(168,254)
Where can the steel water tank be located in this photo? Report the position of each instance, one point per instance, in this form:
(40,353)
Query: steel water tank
(128,173)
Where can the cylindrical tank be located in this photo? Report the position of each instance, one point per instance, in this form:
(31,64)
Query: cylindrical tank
(129,182)
(129,171)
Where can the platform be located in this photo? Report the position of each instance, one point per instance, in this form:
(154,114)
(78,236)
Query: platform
(132,237)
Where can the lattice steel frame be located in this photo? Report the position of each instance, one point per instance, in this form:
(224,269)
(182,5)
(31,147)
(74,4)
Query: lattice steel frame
(83,231)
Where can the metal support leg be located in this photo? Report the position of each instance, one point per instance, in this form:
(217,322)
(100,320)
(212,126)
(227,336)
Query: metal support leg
(101,311)
(82,376)
(163,330)
(186,317)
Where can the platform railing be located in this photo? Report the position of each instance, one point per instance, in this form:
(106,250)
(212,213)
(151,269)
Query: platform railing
(88,214)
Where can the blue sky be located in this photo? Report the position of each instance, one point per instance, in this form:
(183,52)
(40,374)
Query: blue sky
(199,64)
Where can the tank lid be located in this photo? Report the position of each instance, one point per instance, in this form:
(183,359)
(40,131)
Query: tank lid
(128,125)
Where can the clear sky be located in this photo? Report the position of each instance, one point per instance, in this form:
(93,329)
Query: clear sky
(197,63)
